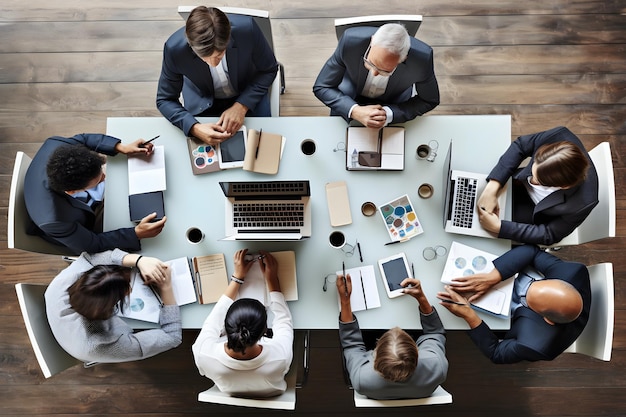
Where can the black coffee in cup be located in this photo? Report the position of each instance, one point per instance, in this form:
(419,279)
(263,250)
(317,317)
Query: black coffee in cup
(308,146)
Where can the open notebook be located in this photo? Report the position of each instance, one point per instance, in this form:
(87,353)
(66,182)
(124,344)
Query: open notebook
(364,294)
(254,285)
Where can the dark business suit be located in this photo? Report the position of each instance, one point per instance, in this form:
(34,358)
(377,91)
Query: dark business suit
(531,338)
(251,64)
(431,371)
(341,80)
(557,215)
(63,219)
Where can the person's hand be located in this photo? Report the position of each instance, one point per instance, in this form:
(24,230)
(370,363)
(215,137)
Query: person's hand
(458,306)
(373,116)
(413,287)
(232,118)
(146,228)
(154,271)
(242,266)
(344,288)
(489,221)
(134,148)
(476,285)
(488,200)
(210,133)
(269,267)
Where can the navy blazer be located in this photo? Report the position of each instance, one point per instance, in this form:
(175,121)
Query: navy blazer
(251,63)
(531,338)
(63,219)
(557,215)
(343,76)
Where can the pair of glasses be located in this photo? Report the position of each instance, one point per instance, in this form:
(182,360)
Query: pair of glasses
(368,64)
(431,253)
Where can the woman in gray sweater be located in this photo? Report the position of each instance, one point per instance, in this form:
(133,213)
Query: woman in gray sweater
(81,304)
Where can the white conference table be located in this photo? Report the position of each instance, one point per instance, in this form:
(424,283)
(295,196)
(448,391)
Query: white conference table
(198,201)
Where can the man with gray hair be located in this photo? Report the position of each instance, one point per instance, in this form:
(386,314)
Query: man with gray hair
(378,76)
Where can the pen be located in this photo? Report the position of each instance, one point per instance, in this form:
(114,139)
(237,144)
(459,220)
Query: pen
(143,145)
(345,282)
(396,241)
(445,300)
(358,246)
(258,144)
(363,289)
(413,269)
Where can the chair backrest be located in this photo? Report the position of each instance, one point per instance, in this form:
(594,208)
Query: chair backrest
(51,357)
(600,223)
(439,396)
(597,338)
(262,19)
(410,22)
(18,220)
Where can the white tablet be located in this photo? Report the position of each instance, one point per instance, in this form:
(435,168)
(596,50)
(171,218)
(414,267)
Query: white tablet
(232,151)
(394,269)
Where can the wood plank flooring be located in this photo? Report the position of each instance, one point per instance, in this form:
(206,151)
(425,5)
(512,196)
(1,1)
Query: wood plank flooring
(66,66)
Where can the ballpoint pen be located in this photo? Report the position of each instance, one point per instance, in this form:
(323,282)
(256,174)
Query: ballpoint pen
(358,246)
(345,281)
(445,300)
(363,289)
(395,241)
(413,269)
(143,145)
(258,144)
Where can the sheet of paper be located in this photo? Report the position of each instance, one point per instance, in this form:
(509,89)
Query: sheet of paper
(364,294)
(141,304)
(147,173)
(182,281)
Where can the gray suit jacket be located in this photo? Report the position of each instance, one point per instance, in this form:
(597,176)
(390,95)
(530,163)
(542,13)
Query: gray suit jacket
(342,78)
(557,215)
(432,365)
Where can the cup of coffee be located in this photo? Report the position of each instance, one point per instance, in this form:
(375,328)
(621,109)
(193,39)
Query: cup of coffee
(425,190)
(194,235)
(427,152)
(337,239)
(368,208)
(308,146)
(422,151)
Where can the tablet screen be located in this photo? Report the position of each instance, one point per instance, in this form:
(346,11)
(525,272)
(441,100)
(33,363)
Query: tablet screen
(233,149)
(395,272)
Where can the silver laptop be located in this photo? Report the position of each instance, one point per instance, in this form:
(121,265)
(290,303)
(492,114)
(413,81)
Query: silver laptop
(267,210)
(462,192)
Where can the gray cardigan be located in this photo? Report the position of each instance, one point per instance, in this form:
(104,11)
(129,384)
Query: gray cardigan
(109,340)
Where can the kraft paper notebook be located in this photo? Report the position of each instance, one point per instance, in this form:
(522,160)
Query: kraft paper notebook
(211,277)
(263,152)
(338,203)
(254,285)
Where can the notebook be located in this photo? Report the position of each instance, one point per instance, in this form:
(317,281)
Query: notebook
(462,192)
(211,277)
(140,205)
(267,210)
(146,183)
(374,149)
(364,295)
(263,152)
(254,285)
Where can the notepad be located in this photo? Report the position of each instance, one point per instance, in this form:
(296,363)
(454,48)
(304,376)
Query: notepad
(263,152)
(211,277)
(338,203)
(254,285)
(374,149)
(364,294)
(465,260)
(146,173)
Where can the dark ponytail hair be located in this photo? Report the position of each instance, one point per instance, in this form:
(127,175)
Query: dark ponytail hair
(245,324)
(95,294)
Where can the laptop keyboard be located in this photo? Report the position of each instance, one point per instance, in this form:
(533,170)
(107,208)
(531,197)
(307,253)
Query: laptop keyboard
(464,202)
(268,215)
(271,188)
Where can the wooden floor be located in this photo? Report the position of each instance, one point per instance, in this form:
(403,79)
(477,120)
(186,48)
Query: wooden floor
(64,69)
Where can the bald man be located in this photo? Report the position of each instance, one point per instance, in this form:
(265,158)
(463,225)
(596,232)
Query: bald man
(548,311)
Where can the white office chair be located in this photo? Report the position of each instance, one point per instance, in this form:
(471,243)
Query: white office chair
(597,338)
(262,18)
(51,357)
(410,22)
(295,378)
(601,221)
(439,396)
(18,219)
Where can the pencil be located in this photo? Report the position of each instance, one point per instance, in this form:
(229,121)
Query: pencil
(445,300)
(345,281)
(143,145)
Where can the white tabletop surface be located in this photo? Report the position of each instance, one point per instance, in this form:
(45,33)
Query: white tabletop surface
(198,201)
